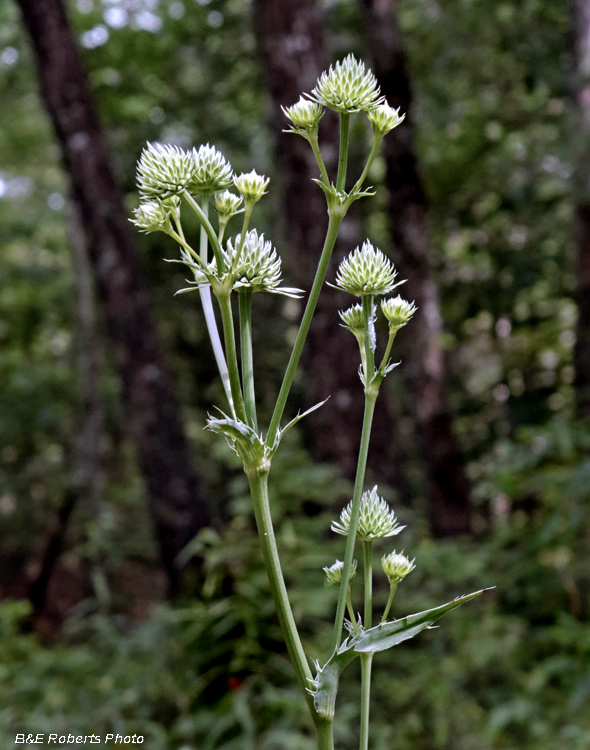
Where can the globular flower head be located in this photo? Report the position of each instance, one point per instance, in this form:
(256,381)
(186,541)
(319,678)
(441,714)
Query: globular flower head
(384,118)
(304,115)
(396,566)
(347,87)
(398,311)
(376,519)
(251,186)
(353,319)
(259,266)
(334,572)
(163,171)
(151,216)
(366,271)
(211,171)
(226,204)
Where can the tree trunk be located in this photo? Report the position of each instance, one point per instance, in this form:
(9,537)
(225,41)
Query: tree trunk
(293,50)
(581,96)
(423,359)
(177,505)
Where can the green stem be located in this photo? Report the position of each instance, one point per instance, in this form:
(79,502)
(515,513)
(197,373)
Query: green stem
(370,399)
(368,571)
(206,224)
(203,234)
(392,334)
(245,224)
(313,141)
(392,590)
(343,154)
(324,734)
(332,233)
(376,143)
(369,340)
(230,353)
(258,479)
(245,298)
(351,612)
(366,663)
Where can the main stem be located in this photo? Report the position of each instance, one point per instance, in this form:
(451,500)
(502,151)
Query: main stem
(370,399)
(343,153)
(366,659)
(245,297)
(258,479)
(332,233)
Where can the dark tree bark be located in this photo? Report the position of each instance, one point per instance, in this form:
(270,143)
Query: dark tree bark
(293,50)
(580,25)
(424,366)
(176,501)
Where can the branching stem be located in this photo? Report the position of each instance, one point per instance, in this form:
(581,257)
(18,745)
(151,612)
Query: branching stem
(245,298)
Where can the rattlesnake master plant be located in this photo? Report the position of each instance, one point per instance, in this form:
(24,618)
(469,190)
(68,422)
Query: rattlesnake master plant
(172,181)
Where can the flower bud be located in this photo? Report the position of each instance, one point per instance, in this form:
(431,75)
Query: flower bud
(251,186)
(211,171)
(376,519)
(226,204)
(398,312)
(347,87)
(353,319)
(396,566)
(366,271)
(163,171)
(151,217)
(384,118)
(334,572)
(305,114)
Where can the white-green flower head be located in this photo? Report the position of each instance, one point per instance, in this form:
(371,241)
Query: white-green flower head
(151,217)
(396,566)
(366,271)
(251,186)
(398,311)
(376,519)
(353,319)
(384,118)
(305,114)
(163,171)
(211,171)
(334,572)
(347,87)
(259,265)
(226,204)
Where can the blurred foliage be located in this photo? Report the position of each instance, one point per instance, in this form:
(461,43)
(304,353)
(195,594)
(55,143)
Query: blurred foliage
(511,670)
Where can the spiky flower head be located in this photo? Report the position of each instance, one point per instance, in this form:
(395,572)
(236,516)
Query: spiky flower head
(211,171)
(398,311)
(396,566)
(226,204)
(259,266)
(163,171)
(376,519)
(251,186)
(353,319)
(334,572)
(366,271)
(304,115)
(151,217)
(384,118)
(347,87)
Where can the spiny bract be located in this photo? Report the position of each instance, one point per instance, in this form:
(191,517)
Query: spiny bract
(211,171)
(398,311)
(163,171)
(347,87)
(376,519)
(366,271)
(334,572)
(396,566)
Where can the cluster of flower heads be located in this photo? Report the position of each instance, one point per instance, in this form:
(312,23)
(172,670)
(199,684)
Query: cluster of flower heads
(347,87)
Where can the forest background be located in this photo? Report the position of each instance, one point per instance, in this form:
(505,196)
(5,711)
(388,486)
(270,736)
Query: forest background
(134,599)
